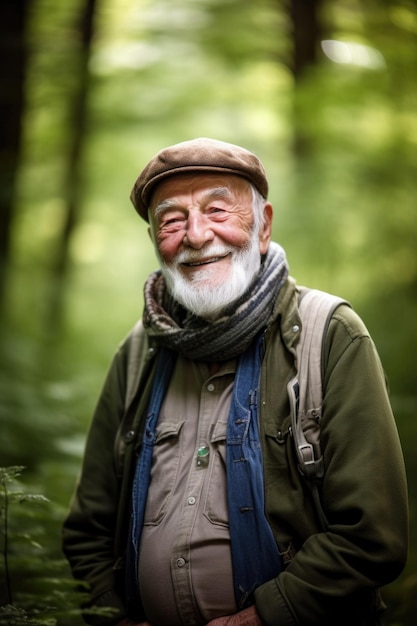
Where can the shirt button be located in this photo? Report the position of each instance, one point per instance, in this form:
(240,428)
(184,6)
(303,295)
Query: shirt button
(191,500)
(295,328)
(180,562)
(211,387)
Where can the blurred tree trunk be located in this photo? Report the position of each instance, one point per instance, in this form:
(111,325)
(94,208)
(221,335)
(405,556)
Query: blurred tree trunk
(73,179)
(306,34)
(13,57)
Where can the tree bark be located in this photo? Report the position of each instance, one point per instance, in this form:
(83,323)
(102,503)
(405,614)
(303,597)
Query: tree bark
(13,58)
(304,17)
(306,34)
(73,178)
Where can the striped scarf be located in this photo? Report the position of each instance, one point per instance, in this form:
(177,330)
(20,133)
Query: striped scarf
(227,337)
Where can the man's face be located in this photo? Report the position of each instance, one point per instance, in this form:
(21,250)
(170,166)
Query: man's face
(203,230)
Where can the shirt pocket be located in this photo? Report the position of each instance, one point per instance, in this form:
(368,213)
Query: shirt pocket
(165,465)
(215,504)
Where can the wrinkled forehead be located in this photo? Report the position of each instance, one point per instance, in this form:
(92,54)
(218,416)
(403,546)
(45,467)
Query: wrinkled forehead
(189,188)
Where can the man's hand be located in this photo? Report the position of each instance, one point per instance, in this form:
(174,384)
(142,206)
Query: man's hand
(248,617)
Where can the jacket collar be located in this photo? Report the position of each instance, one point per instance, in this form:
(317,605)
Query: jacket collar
(286,313)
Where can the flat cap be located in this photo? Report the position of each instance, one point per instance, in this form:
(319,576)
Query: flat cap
(198,156)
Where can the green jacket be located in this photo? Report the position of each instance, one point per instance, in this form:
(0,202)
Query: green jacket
(330,577)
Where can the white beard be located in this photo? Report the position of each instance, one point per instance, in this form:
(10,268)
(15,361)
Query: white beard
(202,295)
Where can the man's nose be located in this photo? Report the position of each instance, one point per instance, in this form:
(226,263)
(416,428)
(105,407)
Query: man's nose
(199,231)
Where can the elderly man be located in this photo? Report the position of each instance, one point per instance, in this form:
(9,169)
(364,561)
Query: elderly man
(190,508)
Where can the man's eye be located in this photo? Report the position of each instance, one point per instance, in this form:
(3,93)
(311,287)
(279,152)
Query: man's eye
(169,221)
(216,209)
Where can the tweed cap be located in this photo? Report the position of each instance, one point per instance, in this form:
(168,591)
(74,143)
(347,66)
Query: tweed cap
(197,156)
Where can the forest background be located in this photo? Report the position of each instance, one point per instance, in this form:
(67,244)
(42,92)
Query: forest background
(325,92)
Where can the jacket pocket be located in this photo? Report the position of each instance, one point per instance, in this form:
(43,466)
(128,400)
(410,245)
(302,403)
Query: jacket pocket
(165,464)
(278,446)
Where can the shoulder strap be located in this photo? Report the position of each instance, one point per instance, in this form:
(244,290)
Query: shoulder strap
(305,389)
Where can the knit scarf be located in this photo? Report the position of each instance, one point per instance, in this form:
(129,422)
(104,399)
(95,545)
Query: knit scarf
(226,337)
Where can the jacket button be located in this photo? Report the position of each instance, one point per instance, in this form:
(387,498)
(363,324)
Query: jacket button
(295,328)
(129,435)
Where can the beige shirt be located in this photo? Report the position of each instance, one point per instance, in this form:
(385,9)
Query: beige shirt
(185,569)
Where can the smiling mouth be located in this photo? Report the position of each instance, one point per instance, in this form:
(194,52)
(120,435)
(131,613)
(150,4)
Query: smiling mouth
(215,259)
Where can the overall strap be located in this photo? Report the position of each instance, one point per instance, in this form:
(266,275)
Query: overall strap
(165,367)
(255,554)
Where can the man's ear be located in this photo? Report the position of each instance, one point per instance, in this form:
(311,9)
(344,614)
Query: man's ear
(150,234)
(266,230)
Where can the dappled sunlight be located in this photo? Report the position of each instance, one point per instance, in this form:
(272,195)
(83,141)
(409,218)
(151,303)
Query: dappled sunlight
(351,53)
(89,243)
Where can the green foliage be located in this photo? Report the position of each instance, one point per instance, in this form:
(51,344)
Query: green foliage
(35,587)
(18,548)
(13,616)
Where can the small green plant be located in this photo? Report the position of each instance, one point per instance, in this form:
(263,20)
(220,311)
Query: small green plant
(11,614)
(35,589)
(8,476)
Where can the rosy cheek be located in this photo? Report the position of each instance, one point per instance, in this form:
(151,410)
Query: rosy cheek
(168,246)
(235,236)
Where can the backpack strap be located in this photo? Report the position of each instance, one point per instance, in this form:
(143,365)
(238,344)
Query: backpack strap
(305,389)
